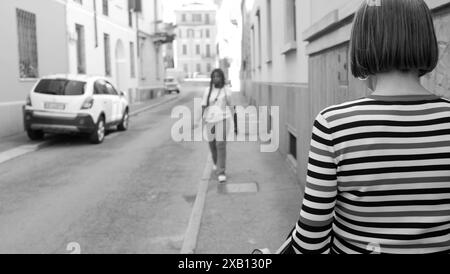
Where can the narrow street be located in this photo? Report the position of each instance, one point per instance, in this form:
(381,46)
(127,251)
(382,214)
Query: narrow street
(132,194)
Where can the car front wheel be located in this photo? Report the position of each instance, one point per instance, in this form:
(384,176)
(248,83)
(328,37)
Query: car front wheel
(123,126)
(98,136)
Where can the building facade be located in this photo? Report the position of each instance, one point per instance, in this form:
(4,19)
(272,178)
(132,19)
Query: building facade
(196,45)
(95,37)
(102,41)
(296,56)
(154,36)
(229,41)
(30,46)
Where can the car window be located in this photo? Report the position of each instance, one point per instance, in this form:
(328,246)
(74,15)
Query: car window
(110,89)
(60,87)
(100,88)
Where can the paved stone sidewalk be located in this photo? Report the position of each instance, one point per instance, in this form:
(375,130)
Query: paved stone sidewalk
(257,208)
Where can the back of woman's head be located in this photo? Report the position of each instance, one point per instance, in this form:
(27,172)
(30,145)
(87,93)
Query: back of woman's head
(393,35)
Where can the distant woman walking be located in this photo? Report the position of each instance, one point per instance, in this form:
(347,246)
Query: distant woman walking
(379,167)
(218,116)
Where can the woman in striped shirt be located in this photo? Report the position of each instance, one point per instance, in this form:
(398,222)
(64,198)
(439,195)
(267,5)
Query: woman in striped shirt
(379,167)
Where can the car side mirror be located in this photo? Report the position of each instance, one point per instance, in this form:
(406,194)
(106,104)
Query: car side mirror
(122,94)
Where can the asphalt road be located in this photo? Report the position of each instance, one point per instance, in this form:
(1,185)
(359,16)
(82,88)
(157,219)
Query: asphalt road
(132,194)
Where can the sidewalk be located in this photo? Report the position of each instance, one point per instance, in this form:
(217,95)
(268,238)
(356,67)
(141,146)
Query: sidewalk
(238,223)
(140,107)
(256,208)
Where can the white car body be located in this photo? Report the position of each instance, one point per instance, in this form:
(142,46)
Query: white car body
(171,84)
(76,113)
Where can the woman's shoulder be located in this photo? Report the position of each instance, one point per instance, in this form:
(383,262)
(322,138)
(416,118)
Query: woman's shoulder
(344,107)
(375,104)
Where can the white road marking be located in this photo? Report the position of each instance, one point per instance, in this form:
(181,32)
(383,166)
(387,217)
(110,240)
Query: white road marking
(18,151)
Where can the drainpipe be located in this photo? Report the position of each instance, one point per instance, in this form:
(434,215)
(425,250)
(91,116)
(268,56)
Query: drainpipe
(67,40)
(157,49)
(138,50)
(95,24)
(155,3)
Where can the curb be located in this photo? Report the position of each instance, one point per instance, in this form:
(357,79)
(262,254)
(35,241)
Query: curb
(139,111)
(193,230)
(8,155)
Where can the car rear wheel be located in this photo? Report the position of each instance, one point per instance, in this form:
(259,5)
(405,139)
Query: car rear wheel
(98,136)
(35,135)
(123,126)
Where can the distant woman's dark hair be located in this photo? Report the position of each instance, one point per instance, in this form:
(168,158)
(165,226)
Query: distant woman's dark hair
(211,85)
(392,35)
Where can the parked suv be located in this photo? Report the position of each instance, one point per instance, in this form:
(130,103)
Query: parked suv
(75,104)
(171,85)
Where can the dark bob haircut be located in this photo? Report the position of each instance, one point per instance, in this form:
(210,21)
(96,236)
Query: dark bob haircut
(211,85)
(390,35)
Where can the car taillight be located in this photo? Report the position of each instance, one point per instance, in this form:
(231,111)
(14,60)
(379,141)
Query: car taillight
(88,103)
(28,102)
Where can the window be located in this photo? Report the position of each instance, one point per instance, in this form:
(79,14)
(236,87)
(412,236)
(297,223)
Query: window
(107,48)
(110,89)
(184,49)
(293,145)
(79,1)
(186,68)
(269,30)
(191,33)
(291,21)
(342,67)
(258,16)
(100,88)
(208,50)
(106,7)
(158,72)
(197,18)
(130,18)
(183,17)
(199,68)
(207,21)
(28,56)
(132,61)
(180,34)
(197,49)
(208,68)
(60,87)
(81,50)
(141,44)
(253,47)
(208,34)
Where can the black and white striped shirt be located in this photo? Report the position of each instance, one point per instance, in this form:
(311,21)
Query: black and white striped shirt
(378,178)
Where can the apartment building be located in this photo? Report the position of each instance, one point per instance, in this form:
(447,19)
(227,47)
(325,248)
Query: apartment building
(196,45)
(296,56)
